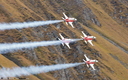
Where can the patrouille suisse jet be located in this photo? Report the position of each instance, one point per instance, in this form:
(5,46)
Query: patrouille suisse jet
(88,38)
(89,62)
(69,20)
(65,41)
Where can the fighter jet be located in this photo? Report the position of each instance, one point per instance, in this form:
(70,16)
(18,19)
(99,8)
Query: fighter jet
(69,20)
(88,38)
(89,62)
(65,41)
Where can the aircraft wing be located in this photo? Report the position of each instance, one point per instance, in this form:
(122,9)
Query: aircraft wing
(92,65)
(61,36)
(90,41)
(84,34)
(65,16)
(71,24)
(67,44)
(86,57)
(66,23)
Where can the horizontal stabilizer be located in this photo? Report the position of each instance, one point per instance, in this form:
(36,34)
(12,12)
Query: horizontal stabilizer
(86,63)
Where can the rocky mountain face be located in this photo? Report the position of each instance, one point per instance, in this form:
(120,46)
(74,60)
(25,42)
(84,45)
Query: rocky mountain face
(117,9)
(106,17)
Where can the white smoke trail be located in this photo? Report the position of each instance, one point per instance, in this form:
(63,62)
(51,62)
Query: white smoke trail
(18,25)
(10,47)
(25,71)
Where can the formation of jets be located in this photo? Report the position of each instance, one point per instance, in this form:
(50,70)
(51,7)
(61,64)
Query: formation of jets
(86,38)
(69,20)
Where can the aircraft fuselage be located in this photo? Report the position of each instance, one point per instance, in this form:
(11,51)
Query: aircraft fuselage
(70,20)
(66,40)
(90,62)
(88,38)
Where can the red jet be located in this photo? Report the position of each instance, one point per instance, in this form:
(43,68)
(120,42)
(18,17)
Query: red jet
(89,62)
(69,20)
(87,38)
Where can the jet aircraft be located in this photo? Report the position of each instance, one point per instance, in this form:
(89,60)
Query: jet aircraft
(65,41)
(89,62)
(69,20)
(88,38)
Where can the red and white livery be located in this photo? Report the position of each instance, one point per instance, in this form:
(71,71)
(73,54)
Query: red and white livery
(65,41)
(69,20)
(88,38)
(89,62)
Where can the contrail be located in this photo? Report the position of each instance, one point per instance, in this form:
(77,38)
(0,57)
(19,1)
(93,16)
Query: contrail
(25,71)
(18,25)
(10,47)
